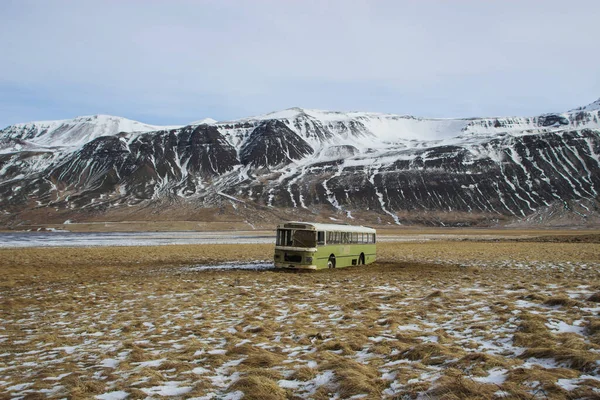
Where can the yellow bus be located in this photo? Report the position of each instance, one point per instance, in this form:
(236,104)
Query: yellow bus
(306,245)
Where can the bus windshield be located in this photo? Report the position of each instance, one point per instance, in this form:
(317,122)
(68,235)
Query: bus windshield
(296,238)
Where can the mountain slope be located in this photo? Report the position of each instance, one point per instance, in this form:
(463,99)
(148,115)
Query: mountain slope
(312,164)
(72,132)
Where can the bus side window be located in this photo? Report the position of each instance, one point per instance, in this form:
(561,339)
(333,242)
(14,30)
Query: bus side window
(320,238)
(374,239)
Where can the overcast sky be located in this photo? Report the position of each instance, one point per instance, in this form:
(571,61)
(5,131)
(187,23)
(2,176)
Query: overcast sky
(173,62)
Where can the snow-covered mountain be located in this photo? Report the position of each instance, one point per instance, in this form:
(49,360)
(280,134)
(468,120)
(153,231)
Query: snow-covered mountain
(69,132)
(371,166)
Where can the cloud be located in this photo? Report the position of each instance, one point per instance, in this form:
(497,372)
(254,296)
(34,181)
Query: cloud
(169,62)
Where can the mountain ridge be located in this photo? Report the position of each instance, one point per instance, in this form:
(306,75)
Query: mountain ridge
(40,129)
(318,164)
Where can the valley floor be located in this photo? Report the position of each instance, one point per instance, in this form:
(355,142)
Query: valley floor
(498,318)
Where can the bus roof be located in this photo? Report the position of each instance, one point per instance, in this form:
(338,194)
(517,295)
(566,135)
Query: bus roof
(325,227)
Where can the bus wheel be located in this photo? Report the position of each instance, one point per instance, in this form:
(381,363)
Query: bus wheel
(361,259)
(331,261)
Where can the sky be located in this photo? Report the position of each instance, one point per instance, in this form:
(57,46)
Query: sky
(173,62)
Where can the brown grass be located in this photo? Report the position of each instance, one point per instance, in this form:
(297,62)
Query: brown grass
(454,385)
(98,300)
(595,297)
(304,373)
(353,378)
(258,387)
(560,301)
(582,360)
(432,353)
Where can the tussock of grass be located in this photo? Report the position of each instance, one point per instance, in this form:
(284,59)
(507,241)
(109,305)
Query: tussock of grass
(532,323)
(353,382)
(381,348)
(406,338)
(595,297)
(178,366)
(432,353)
(534,297)
(200,388)
(153,376)
(336,345)
(534,340)
(454,385)
(544,380)
(593,327)
(560,301)
(265,372)
(83,387)
(353,378)
(481,360)
(257,357)
(582,360)
(257,387)
(435,294)
(135,393)
(359,305)
(304,374)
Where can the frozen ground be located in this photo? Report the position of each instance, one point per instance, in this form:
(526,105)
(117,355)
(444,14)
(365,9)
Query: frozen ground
(502,329)
(78,239)
(94,239)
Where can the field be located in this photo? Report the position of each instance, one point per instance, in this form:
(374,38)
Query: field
(507,318)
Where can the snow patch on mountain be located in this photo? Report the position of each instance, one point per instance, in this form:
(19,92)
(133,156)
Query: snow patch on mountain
(74,132)
(204,121)
(595,106)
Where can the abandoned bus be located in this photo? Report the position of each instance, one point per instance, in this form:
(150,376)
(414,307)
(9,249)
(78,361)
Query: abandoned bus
(304,245)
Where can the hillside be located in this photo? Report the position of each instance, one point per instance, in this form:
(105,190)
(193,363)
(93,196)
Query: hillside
(302,163)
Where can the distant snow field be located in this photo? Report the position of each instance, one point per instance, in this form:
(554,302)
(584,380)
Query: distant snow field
(59,238)
(72,239)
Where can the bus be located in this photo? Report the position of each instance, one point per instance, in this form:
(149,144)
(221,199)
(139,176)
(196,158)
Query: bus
(306,245)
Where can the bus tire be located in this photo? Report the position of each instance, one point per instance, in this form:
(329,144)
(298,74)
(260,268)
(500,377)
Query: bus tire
(361,259)
(331,261)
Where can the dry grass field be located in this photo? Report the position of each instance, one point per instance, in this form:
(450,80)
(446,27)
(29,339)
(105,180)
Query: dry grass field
(443,319)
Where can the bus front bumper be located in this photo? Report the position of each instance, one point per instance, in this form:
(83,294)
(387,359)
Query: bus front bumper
(294,266)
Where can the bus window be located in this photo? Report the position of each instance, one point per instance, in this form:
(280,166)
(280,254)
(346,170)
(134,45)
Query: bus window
(304,238)
(321,238)
(284,237)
